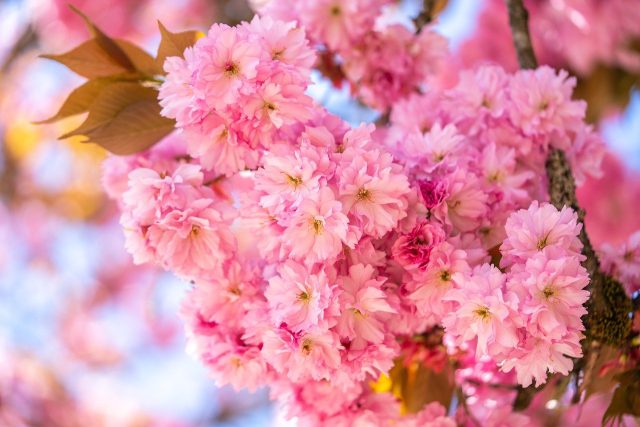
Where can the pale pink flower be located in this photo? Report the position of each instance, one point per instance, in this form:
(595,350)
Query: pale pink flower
(313,354)
(484,312)
(538,227)
(286,180)
(446,265)
(467,203)
(362,301)
(298,298)
(537,356)
(193,241)
(373,191)
(552,293)
(318,229)
(541,101)
(150,192)
(225,58)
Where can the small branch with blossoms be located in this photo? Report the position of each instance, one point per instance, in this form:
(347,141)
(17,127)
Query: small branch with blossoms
(608,319)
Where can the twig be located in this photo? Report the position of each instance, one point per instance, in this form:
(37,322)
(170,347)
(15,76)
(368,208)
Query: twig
(27,38)
(426,14)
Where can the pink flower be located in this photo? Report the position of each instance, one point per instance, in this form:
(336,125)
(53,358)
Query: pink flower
(538,227)
(532,360)
(313,354)
(217,146)
(225,58)
(151,192)
(433,192)
(484,311)
(193,241)
(541,101)
(318,229)
(362,301)
(373,191)
(413,250)
(298,298)
(286,180)
(552,293)
(467,203)
(447,264)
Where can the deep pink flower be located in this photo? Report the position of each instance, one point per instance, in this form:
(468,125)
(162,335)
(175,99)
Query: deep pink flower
(413,250)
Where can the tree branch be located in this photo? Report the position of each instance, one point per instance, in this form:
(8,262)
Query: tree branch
(608,307)
(519,21)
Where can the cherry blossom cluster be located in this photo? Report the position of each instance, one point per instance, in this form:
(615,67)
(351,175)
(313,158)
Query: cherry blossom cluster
(381,60)
(318,251)
(578,34)
(239,90)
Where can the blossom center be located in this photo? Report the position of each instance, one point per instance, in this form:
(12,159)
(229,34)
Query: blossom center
(548,292)
(318,225)
(306,346)
(363,194)
(296,181)
(445,276)
(304,296)
(542,243)
(195,230)
(483,312)
(231,69)
(335,10)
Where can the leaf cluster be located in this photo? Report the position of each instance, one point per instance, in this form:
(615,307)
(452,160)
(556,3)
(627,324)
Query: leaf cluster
(121,91)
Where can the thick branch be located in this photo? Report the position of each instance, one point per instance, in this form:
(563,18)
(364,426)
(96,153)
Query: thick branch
(519,20)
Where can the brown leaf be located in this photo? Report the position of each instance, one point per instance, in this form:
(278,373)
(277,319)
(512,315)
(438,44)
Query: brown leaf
(134,129)
(90,60)
(80,99)
(108,104)
(142,61)
(106,43)
(424,385)
(124,119)
(174,44)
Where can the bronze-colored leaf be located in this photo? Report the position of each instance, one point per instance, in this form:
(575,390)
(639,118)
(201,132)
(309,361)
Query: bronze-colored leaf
(424,385)
(174,44)
(90,60)
(143,62)
(106,43)
(625,400)
(108,104)
(80,99)
(134,129)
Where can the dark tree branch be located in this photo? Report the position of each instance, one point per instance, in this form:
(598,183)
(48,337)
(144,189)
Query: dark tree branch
(608,307)
(519,21)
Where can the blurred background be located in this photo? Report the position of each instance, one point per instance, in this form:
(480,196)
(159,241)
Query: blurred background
(88,339)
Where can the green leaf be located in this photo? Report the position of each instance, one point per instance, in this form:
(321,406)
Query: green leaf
(174,44)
